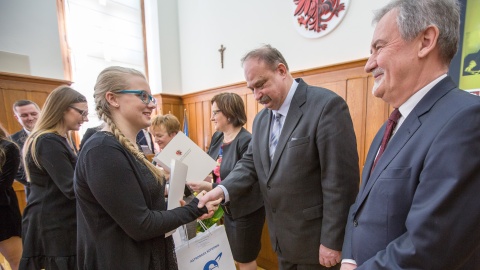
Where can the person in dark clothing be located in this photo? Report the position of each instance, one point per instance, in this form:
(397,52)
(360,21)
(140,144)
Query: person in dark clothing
(88,133)
(122,216)
(26,112)
(244,218)
(49,220)
(10,217)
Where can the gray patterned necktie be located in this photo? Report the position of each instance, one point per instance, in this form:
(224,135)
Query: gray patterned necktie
(275,133)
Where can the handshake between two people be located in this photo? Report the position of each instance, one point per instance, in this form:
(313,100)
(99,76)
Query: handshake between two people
(211,200)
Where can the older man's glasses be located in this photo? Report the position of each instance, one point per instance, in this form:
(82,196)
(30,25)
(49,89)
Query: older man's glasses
(144,96)
(83,113)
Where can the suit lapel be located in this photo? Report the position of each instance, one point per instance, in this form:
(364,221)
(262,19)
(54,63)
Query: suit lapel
(293,117)
(411,124)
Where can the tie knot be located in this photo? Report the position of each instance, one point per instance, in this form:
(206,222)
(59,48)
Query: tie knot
(395,116)
(277,116)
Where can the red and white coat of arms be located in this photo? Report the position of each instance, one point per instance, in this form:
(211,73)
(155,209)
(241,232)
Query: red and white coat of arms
(316,18)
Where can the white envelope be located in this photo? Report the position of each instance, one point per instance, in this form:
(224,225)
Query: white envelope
(176,183)
(199,163)
(176,186)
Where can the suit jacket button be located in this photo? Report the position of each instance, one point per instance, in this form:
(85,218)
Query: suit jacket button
(268,187)
(355,223)
(274,210)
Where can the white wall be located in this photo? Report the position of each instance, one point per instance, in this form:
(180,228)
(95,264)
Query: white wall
(30,28)
(244,25)
(190,60)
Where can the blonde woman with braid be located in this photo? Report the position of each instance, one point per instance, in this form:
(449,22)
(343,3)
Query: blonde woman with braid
(49,225)
(122,216)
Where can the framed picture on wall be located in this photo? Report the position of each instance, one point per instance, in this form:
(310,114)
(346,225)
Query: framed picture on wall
(465,67)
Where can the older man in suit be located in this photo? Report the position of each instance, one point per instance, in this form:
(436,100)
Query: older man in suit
(418,206)
(26,112)
(303,154)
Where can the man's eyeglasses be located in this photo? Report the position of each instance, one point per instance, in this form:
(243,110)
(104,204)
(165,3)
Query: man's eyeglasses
(83,113)
(215,112)
(144,96)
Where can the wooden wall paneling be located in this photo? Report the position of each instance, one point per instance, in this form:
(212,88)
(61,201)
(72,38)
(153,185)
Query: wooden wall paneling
(19,86)
(3,110)
(192,122)
(376,115)
(199,116)
(251,109)
(356,101)
(207,124)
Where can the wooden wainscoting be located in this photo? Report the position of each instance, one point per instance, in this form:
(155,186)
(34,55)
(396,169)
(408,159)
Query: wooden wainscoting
(16,86)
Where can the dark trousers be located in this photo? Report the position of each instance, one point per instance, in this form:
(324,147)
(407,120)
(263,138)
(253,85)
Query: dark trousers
(285,265)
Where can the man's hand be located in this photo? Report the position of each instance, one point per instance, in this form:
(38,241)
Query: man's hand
(213,195)
(348,266)
(329,257)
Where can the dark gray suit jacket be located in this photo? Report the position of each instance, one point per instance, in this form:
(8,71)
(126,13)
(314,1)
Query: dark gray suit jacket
(419,209)
(19,138)
(313,178)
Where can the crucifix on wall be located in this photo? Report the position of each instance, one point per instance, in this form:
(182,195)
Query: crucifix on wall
(221,50)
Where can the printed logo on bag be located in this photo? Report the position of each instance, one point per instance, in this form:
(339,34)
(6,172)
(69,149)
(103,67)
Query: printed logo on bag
(213,263)
(316,18)
(178,153)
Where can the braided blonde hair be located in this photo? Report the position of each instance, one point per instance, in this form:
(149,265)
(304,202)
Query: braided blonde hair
(114,79)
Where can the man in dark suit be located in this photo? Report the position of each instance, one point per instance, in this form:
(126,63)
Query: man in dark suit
(418,204)
(26,112)
(303,154)
(145,140)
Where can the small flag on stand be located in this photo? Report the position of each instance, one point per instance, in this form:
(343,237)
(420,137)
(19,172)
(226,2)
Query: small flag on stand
(185,122)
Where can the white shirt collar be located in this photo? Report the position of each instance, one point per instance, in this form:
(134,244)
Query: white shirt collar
(407,107)
(283,110)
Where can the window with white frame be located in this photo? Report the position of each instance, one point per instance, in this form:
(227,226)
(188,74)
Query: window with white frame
(102,33)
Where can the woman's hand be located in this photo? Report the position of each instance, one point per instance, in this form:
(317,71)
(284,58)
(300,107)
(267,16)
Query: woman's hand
(199,186)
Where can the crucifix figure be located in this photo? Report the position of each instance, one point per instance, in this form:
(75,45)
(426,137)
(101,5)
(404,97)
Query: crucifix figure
(221,50)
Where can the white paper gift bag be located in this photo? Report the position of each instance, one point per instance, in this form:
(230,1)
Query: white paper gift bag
(209,250)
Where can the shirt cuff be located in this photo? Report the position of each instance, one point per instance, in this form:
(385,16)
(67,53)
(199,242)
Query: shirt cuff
(225,193)
(349,261)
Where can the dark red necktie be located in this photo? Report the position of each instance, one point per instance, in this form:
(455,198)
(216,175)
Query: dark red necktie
(391,124)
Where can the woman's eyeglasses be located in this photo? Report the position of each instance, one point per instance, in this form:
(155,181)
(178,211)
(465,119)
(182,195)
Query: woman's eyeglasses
(144,96)
(83,113)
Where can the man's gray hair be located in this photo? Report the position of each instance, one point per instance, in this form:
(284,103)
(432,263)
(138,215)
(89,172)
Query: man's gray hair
(414,16)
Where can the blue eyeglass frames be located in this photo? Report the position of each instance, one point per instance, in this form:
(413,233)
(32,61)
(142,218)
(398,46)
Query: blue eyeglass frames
(144,96)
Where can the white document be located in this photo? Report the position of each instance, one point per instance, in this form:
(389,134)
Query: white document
(177,181)
(199,163)
(176,186)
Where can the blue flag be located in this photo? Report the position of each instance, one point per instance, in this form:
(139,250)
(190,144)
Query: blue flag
(185,122)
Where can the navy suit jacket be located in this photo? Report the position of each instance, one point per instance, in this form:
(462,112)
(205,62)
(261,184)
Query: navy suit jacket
(141,140)
(419,208)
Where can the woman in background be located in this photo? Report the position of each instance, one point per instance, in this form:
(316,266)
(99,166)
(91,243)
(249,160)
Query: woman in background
(122,216)
(244,218)
(164,128)
(49,220)
(10,217)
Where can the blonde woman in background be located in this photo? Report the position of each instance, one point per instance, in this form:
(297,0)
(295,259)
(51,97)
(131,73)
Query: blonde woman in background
(122,216)
(10,217)
(49,220)
(164,128)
